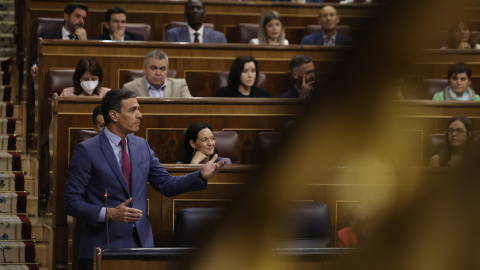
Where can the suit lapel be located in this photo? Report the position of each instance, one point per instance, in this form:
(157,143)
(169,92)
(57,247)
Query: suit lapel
(143,88)
(112,160)
(206,35)
(168,88)
(184,35)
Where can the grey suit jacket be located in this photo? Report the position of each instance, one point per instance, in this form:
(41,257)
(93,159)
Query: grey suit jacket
(174,87)
(180,34)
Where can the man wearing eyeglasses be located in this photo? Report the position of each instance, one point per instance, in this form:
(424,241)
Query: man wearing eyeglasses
(155,82)
(328,36)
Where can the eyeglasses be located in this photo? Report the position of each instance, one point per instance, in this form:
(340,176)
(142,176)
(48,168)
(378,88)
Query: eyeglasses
(458,130)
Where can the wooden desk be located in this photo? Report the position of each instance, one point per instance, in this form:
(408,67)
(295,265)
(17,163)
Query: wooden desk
(178,258)
(167,117)
(222,14)
(435,63)
(338,187)
(196,63)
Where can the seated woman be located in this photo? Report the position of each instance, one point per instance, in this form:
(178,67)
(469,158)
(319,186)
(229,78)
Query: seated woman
(460,37)
(200,145)
(270,30)
(458,143)
(242,79)
(369,215)
(87,79)
(459,78)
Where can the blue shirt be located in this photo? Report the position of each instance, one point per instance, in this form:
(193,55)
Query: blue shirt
(154,92)
(117,150)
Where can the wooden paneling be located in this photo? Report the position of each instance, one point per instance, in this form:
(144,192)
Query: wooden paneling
(117,56)
(172,115)
(221,13)
(246,116)
(200,83)
(435,63)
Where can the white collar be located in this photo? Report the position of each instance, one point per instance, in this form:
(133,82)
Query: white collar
(65,33)
(191,32)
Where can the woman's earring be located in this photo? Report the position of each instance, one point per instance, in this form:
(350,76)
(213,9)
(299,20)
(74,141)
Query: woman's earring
(193,152)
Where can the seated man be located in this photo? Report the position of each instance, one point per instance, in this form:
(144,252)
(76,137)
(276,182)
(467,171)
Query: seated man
(329,36)
(303,73)
(74,18)
(98,121)
(194,31)
(116,19)
(155,82)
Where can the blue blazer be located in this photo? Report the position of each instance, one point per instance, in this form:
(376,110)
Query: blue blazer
(128,36)
(180,34)
(317,39)
(94,168)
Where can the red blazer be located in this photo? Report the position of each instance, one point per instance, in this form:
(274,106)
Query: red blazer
(347,237)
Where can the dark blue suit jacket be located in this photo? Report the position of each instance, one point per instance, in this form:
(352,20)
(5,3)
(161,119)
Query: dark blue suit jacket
(317,39)
(94,168)
(180,34)
(128,36)
(290,93)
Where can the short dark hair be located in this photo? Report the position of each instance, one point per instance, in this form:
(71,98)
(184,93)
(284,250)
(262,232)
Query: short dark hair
(114,10)
(87,64)
(96,112)
(459,68)
(70,7)
(299,60)
(237,68)
(113,101)
(192,134)
(189,1)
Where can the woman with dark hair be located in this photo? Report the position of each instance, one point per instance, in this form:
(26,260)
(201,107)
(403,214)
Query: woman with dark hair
(87,79)
(460,37)
(270,29)
(458,143)
(242,79)
(459,78)
(199,145)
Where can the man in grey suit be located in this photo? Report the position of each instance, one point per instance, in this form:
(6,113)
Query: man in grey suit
(155,82)
(195,31)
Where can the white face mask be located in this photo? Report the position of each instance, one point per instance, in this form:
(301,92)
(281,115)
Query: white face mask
(89,86)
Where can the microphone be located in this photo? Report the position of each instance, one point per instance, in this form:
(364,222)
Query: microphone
(106,218)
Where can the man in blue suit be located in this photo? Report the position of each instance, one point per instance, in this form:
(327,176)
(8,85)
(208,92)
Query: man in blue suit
(328,36)
(74,18)
(195,31)
(116,19)
(117,162)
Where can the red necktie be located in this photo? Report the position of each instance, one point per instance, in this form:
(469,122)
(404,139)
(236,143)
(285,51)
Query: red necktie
(196,40)
(126,169)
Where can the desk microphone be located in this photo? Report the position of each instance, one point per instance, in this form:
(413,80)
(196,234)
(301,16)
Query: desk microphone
(106,218)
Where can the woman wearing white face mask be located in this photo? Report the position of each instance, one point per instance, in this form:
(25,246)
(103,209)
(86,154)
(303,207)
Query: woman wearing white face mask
(86,80)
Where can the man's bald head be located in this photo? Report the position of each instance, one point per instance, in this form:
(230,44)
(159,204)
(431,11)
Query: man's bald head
(328,19)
